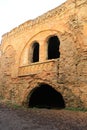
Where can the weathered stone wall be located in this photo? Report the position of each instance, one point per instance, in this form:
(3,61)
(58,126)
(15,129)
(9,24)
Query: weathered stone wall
(67,74)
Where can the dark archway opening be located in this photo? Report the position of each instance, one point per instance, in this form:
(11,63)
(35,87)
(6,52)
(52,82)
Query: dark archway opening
(53,47)
(46,97)
(35,57)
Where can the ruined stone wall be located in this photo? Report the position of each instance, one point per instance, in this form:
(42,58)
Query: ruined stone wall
(67,74)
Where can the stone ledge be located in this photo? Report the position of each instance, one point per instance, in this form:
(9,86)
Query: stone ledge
(38,67)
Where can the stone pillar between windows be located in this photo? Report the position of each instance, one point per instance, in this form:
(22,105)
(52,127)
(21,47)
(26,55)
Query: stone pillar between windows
(25,58)
(43,51)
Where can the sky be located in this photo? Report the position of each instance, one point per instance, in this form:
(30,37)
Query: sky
(16,12)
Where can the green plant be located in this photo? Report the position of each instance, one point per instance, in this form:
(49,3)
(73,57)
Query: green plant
(76,109)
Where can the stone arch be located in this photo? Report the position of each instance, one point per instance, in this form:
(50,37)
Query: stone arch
(8,59)
(8,49)
(45,96)
(24,56)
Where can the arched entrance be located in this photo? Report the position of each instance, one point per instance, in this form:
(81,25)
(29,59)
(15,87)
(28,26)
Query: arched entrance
(45,96)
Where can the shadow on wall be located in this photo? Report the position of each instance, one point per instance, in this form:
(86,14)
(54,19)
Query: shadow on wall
(44,96)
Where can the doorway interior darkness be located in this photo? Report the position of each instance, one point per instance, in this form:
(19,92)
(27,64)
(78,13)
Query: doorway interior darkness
(45,96)
(53,47)
(35,57)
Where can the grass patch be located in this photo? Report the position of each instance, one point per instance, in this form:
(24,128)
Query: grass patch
(1,97)
(11,105)
(16,106)
(76,109)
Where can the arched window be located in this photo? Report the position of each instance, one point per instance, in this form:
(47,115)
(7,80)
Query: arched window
(35,55)
(53,47)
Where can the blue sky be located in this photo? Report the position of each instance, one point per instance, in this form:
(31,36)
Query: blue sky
(16,12)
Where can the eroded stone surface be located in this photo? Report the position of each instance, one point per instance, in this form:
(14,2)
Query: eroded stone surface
(67,74)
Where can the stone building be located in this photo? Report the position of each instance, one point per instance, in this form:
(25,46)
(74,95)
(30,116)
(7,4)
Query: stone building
(43,62)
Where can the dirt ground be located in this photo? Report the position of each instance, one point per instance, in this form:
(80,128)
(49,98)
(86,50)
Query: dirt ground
(41,119)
